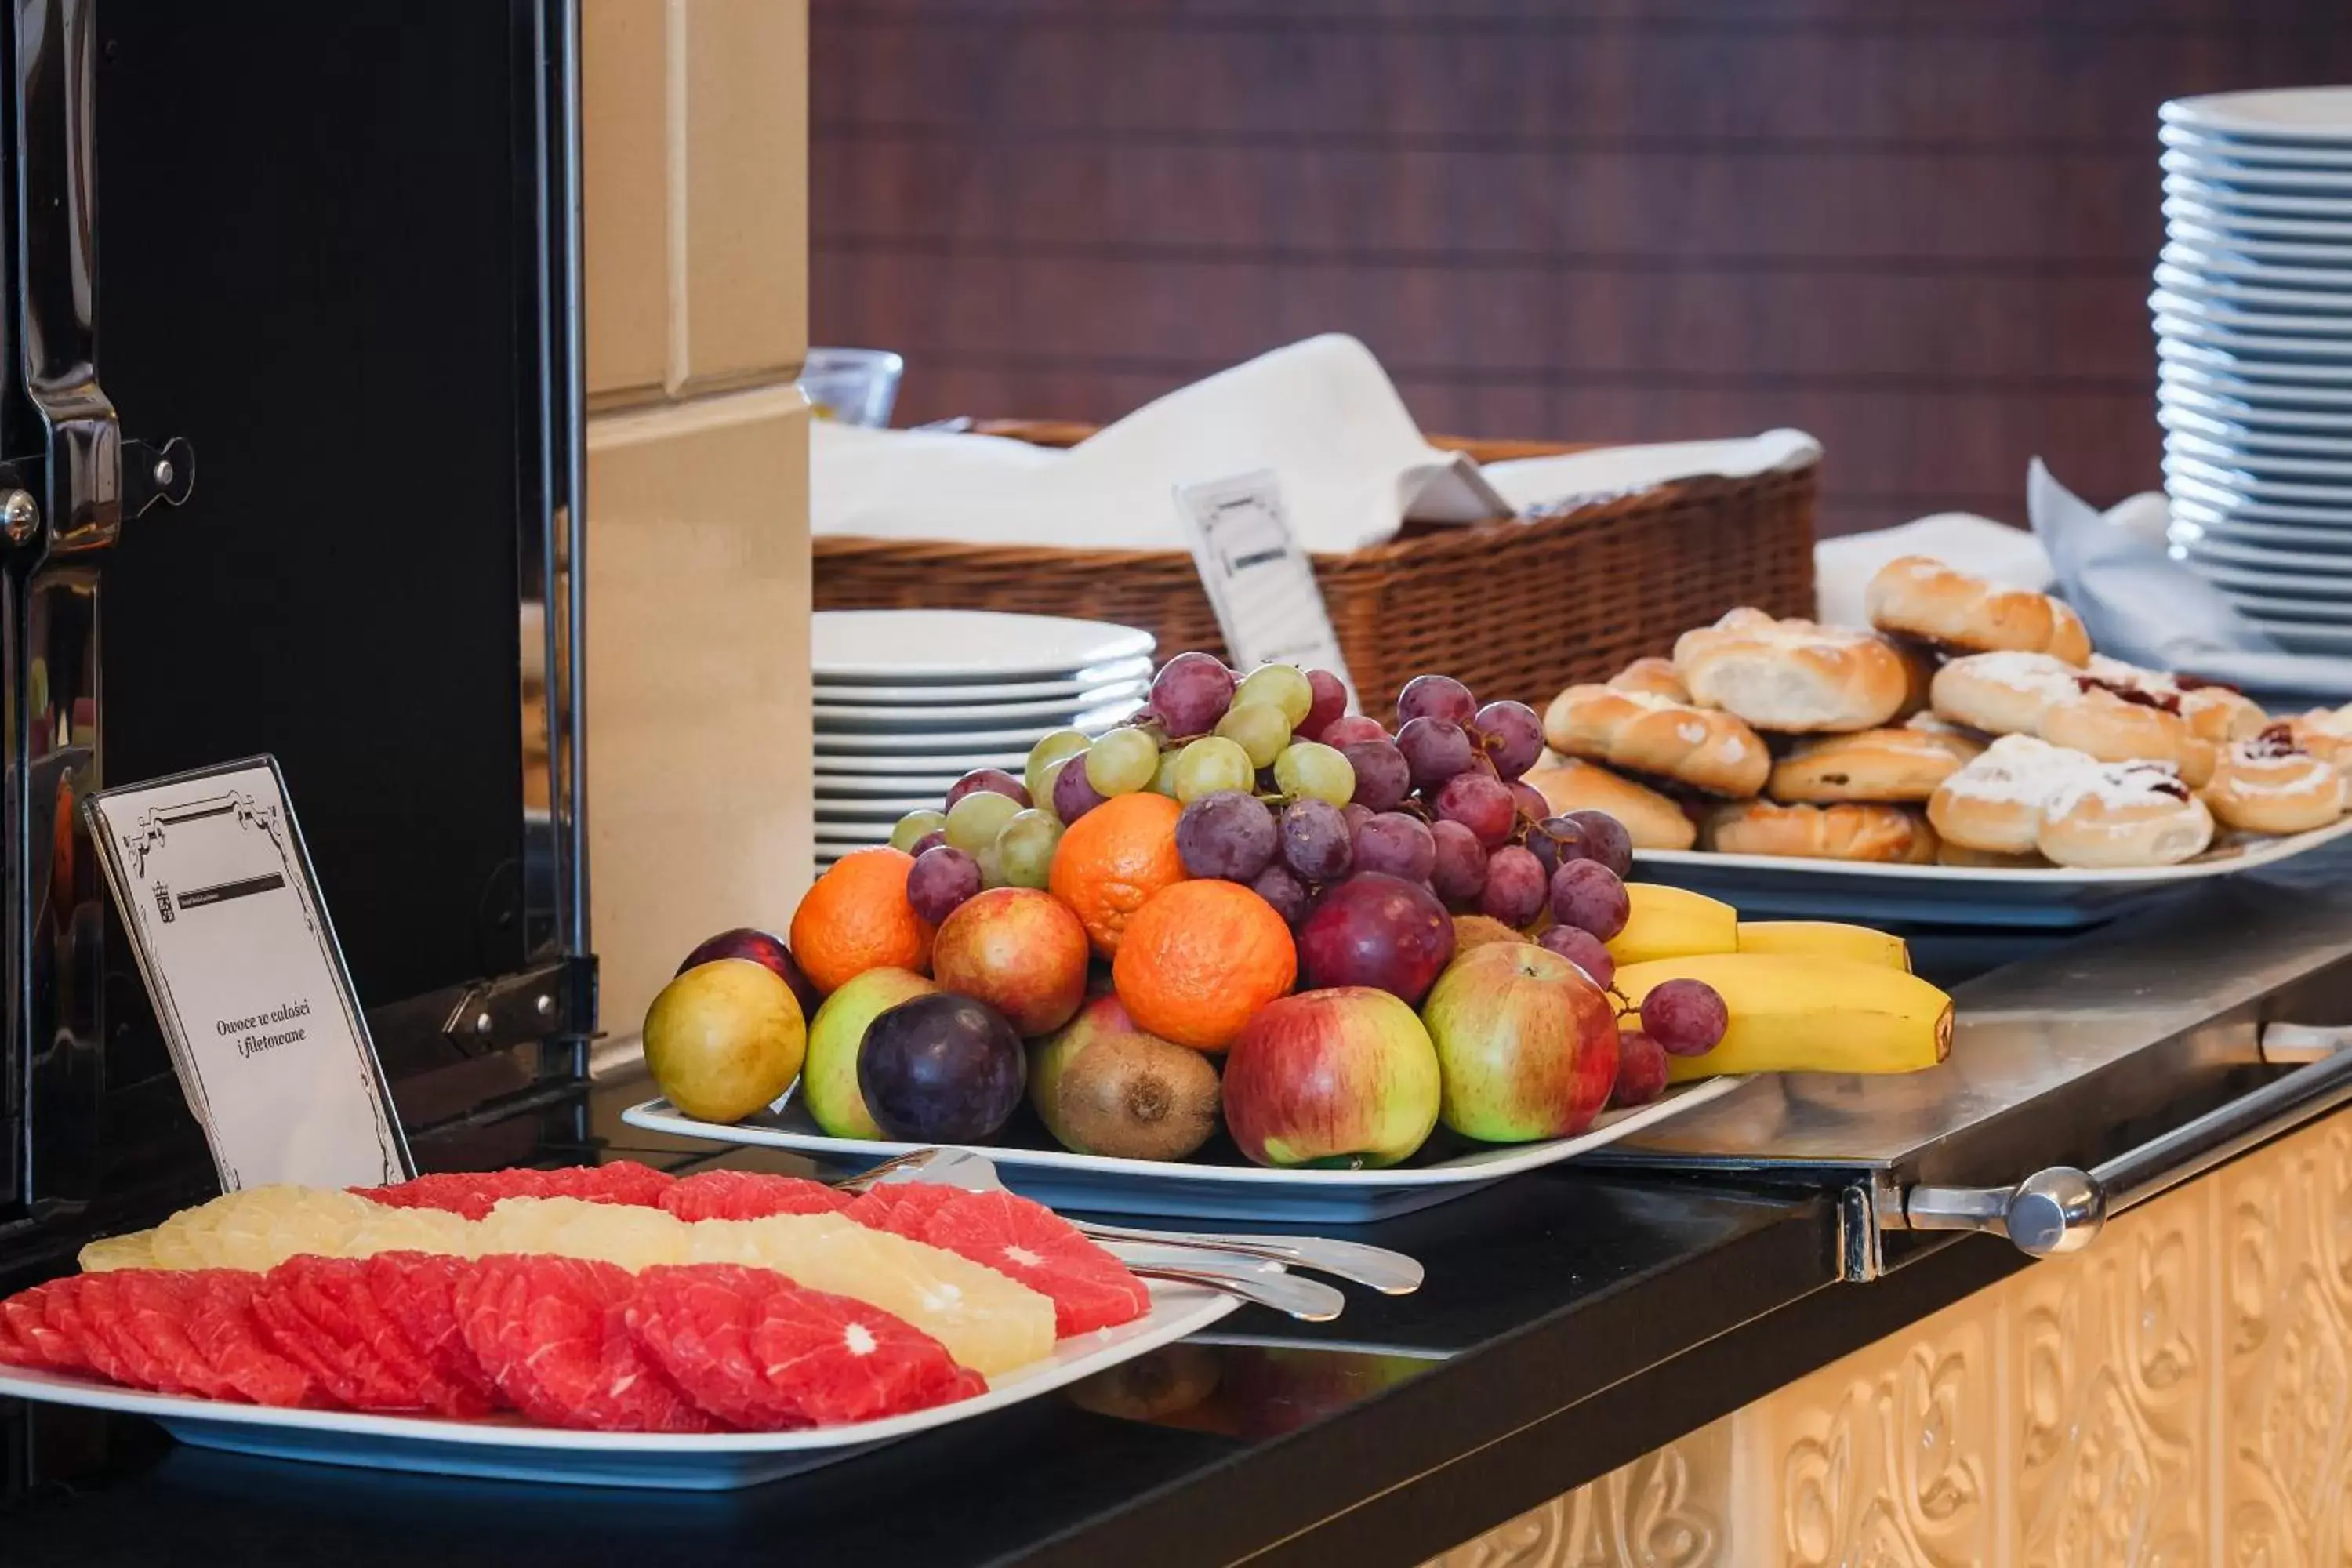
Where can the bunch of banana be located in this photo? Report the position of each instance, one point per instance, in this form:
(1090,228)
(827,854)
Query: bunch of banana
(1674,922)
(1801,1013)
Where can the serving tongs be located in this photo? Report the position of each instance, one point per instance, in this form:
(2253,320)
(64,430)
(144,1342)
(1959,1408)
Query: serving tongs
(1389,1272)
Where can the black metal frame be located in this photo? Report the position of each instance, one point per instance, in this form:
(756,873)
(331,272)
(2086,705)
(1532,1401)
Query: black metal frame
(516,1042)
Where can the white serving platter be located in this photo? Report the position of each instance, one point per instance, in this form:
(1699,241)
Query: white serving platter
(2230,200)
(2239,151)
(2178,369)
(2233,458)
(862,809)
(1111,678)
(2258,370)
(1064,713)
(2224,434)
(2215,550)
(2261,412)
(907,648)
(2234,501)
(2302,636)
(2303,612)
(2239,482)
(2318,252)
(2226,290)
(509,1448)
(2318,594)
(2294,115)
(2220,263)
(2188,216)
(830,764)
(2222,523)
(2286,345)
(2228,177)
(900,740)
(2244,317)
(1195,1188)
(2052,898)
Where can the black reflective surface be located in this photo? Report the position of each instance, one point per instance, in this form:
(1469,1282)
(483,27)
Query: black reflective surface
(1544,1292)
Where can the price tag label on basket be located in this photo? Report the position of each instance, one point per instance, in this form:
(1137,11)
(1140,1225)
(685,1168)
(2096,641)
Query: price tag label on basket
(1259,580)
(213,884)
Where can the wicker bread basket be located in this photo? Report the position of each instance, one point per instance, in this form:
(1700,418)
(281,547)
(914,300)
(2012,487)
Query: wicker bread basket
(1513,608)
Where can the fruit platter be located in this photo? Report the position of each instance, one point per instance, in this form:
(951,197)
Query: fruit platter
(1248,955)
(609,1325)
(1968,757)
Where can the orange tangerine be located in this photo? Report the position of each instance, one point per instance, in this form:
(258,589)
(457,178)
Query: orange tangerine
(1113,859)
(1199,959)
(858,918)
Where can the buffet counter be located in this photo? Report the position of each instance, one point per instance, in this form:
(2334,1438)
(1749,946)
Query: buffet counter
(1704,1344)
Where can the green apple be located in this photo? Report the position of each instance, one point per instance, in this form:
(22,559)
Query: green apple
(1526,1044)
(829,1082)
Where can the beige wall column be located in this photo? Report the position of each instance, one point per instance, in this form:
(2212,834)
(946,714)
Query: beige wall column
(698,573)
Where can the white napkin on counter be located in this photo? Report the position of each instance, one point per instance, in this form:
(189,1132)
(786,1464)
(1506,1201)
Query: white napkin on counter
(1321,414)
(1843,567)
(2142,606)
(1530,483)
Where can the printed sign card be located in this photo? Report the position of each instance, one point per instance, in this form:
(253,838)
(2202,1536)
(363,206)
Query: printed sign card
(214,888)
(1259,580)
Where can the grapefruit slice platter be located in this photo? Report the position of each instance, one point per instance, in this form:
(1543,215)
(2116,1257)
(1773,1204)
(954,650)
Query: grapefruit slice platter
(615,1328)
(1197,1188)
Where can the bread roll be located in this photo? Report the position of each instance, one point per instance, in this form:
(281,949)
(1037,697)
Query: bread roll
(1654,821)
(2001,693)
(2216,713)
(2325,734)
(1921,597)
(2123,814)
(2270,785)
(1883,832)
(1875,765)
(1792,676)
(1653,675)
(1993,805)
(1658,738)
(2119,723)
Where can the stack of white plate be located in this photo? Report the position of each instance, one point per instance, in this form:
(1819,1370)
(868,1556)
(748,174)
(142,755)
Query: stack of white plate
(2253,323)
(907,702)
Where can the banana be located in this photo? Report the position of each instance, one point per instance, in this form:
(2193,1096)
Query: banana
(1673,922)
(1800,1013)
(1825,938)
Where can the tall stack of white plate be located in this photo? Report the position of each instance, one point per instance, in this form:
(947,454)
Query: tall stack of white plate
(2254,324)
(907,702)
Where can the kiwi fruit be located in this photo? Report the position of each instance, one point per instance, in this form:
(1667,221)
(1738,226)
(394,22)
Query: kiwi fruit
(1477,930)
(1104,1087)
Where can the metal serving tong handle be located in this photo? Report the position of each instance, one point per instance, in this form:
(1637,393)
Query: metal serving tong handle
(2062,1209)
(1390,1273)
(1308,1300)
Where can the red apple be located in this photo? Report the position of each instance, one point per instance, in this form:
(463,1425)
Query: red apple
(1021,950)
(762,948)
(1527,1042)
(1376,930)
(1343,1078)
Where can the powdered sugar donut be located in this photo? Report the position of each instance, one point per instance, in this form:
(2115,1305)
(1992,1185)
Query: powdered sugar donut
(2270,785)
(2123,814)
(1994,804)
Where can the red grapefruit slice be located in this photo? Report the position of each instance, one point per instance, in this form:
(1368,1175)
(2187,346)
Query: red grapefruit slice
(748,1194)
(1090,1288)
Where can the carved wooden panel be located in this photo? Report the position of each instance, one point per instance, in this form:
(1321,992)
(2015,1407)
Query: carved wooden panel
(1666,1510)
(2178,1394)
(2107,1397)
(2286,1291)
